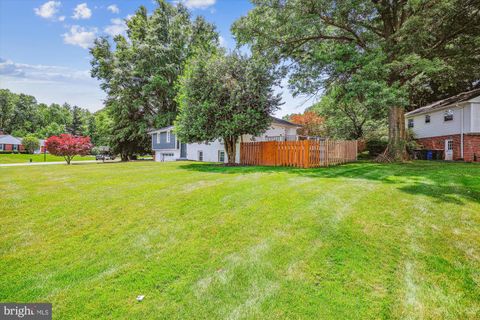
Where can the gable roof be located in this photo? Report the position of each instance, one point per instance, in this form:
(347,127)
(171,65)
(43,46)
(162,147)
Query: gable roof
(274,119)
(8,139)
(285,122)
(461,97)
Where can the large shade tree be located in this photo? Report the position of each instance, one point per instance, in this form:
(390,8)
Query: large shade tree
(395,54)
(138,73)
(224,97)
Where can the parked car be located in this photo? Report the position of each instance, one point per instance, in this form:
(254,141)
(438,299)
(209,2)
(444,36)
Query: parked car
(104,157)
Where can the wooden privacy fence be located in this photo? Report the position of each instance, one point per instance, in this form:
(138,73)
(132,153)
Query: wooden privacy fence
(303,154)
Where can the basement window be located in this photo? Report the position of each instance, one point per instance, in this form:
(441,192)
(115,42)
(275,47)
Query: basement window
(427,118)
(221,156)
(410,123)
(448,116)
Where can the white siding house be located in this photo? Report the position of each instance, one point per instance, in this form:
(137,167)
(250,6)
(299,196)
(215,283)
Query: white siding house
(168,148)
(451,125)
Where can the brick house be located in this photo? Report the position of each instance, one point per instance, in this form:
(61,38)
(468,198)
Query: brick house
(10,143)
(13,144)
(451,125)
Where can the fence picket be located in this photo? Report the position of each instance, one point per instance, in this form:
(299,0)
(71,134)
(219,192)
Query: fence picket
(303,154)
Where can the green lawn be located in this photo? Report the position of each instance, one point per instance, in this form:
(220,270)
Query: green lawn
(359,241)
(20,158)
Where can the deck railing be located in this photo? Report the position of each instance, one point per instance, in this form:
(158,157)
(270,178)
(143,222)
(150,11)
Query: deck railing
(303,154)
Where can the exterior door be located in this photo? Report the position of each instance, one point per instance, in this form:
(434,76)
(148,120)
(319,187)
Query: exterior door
(183,150)
(448,149)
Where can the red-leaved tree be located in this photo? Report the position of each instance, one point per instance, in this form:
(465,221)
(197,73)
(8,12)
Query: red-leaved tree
(68,146)
(312,124)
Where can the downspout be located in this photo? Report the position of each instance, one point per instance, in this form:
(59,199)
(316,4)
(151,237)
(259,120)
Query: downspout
(461,136)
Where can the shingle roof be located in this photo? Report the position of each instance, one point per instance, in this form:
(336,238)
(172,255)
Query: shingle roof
(285,122)
(8,139)
(274,119)
(152,130)
(464,96)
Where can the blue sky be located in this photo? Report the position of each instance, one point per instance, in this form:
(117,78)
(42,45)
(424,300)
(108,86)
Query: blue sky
(44,44)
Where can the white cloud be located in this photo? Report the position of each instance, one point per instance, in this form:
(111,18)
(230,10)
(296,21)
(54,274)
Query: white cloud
(198,4)
(82,11)
(48,9)
(80,36)
(61,18)
(113,8)
(52,83)
(222,42)
(117,27)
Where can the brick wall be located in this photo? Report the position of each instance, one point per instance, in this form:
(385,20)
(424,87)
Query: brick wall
(9,147)
(471,145)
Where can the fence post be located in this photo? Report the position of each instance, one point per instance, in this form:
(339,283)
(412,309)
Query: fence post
(306,162)
(327,155)
(356,150)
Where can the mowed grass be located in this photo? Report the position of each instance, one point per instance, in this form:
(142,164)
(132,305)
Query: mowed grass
(200,241)
(25,158)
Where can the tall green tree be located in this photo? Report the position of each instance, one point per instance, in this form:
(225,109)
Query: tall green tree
(139,72)
(394,52)
(7,107)
(25,116)
(103,127)
(225,96)
(75,127)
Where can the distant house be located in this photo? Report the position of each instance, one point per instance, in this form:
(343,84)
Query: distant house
(168,148)
(13,144)
(41,148)
(10,143)
(451,125)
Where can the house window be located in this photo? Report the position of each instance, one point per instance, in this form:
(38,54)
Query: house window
(1,147)
(168,136)
(200,155)
(450,145)
(410,123)
(178,144)
(427,118)
(15,147)
(158,137)
(221,156)
(448,116)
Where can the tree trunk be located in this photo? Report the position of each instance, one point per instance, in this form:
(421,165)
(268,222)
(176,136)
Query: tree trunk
(230,148)
(68,159)
(124,156)
(397,144)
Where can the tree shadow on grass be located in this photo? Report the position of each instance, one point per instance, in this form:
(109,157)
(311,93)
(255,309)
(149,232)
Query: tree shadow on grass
(445,182)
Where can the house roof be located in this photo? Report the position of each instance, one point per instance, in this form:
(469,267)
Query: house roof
(274,119)
(152,131)
(8,139)
(285,122)
(462,97)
